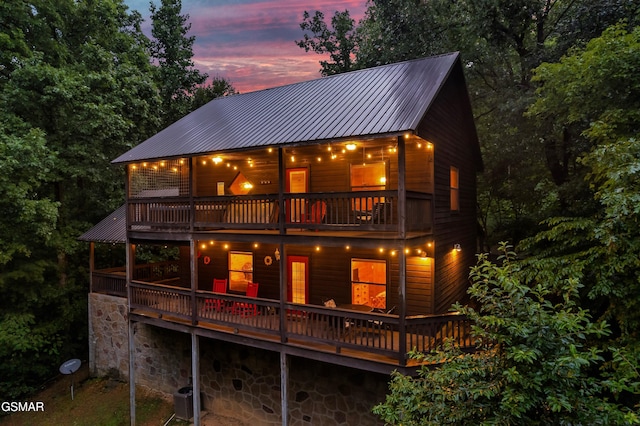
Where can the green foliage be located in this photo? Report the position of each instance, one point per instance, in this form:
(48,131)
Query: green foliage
(25,220)
(76,90)
(340,42)
(533,365)
(598,89)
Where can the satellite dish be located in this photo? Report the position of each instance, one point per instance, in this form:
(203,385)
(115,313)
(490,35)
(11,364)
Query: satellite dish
(71,366)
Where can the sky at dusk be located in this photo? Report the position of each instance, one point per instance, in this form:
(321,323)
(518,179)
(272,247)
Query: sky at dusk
(251,43)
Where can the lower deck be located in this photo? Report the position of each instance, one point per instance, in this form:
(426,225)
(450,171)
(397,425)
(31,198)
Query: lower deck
(342,335)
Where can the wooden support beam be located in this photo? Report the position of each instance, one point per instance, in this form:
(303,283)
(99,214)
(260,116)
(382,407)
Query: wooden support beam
(195,371)
(132,374)
(284,387)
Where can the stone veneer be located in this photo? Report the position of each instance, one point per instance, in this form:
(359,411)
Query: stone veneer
(236,381)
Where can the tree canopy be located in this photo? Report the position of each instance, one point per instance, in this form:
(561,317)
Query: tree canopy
(77,89)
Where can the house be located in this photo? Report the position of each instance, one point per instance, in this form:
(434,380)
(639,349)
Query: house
(329,222)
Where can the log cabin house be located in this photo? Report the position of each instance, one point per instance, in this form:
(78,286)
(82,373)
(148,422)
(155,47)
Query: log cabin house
(330,220)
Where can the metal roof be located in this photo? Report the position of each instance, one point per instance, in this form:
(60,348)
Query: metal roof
(111,229)
(383,100)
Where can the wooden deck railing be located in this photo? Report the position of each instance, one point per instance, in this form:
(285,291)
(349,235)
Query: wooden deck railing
(366,210)
(317,327)
(113,281)
(110,281)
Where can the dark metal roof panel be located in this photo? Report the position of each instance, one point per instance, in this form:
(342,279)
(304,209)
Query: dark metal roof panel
(111,229)
(382,100)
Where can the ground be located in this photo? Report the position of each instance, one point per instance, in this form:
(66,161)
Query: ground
(103,402)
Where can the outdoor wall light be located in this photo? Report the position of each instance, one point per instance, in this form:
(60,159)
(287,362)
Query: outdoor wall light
(351,146)
(457,247)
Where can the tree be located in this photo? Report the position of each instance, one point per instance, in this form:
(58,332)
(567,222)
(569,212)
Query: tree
(533,364)
(217,88)
(173,51)
(596,91)
(501,42)
(78,92)
(340,42)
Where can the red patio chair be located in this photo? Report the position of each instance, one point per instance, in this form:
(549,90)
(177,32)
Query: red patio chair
(219,286)
(247,309)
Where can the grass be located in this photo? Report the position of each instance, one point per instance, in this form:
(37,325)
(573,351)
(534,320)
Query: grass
(96,402)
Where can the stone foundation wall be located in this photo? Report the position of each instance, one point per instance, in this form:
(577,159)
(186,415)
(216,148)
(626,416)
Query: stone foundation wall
(108,336)
(237,381)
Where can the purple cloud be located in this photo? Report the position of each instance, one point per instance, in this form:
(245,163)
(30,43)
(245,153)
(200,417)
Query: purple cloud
(251,43)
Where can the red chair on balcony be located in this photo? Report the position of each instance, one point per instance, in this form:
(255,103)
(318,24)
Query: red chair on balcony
(247,309)
(316,214)
(219,286)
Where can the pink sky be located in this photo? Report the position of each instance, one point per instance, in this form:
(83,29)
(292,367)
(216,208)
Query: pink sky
(251,43)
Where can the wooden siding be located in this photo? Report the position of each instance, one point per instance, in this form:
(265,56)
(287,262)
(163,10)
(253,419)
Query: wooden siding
(454,145)
(325,174)
(329,272)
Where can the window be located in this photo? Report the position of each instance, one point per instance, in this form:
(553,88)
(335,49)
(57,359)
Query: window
(240,270)
(455,189)
(368,177)
(369,283)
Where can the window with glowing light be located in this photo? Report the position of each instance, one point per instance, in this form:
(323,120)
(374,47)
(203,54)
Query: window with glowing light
(240,270)
(369,283)
(455,189)
(368,177)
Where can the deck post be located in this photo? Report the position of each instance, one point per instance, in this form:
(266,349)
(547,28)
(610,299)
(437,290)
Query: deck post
(283,292)
(194,280)
(284,387)
(130,261)
(132,373)
(192,208)
(402,189)
(402,297)
(282,177)
(195,372)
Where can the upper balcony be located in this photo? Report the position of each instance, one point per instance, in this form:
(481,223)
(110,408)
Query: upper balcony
(364,187)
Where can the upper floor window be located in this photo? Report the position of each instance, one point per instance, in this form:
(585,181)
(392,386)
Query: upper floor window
(454,185)
(369,282)
(368,177)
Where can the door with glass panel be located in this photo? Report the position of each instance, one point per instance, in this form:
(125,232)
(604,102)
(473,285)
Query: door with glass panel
(298,279)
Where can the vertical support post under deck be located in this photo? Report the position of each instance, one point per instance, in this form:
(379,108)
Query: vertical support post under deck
(132,374)
(195,372)
(284,387)
(130,262)
(92,343)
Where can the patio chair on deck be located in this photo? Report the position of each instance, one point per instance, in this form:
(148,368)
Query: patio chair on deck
(246,309)
(219,286)
(317,213)
(375,216)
